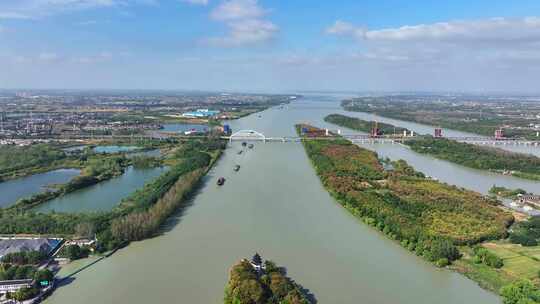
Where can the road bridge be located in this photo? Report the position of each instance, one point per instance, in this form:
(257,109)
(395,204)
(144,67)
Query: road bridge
(253,135)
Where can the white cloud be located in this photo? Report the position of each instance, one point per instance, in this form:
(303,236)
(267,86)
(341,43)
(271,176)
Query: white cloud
(87,22)
(12,15)
(48,57)
(343,28)
(460,45)
(238,9)
(196,2)
(30,9)
(494,30)
(246,32)
(245,22)
(101,57)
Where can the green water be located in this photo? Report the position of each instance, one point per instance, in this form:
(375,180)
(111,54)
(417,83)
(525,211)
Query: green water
(103,196)
(13,190)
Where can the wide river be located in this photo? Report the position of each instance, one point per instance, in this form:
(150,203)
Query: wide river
(275,205)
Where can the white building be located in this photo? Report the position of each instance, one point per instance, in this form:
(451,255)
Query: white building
(14,285)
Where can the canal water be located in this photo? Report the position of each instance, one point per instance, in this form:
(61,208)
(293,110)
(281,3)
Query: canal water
(276,205)
(13,190)
(105,195)
(182,127)
(114,149)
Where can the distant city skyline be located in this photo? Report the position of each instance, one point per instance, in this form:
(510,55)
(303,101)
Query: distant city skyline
(271,45)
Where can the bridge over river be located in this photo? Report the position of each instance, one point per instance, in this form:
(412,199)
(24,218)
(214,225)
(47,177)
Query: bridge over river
(254,136)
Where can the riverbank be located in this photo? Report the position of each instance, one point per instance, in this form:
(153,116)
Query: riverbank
(364,125)
(17,162)
(478,157)
(188,157)
(481,117)
(423,215)
(95,166)
(468,155)
(95,169)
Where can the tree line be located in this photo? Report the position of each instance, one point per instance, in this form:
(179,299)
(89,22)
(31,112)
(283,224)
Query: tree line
(363,125)
(477,157)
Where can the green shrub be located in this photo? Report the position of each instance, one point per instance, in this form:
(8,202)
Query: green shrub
(442,262)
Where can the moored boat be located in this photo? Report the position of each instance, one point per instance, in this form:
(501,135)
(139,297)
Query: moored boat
(221,181)
(236,168)
(250,146)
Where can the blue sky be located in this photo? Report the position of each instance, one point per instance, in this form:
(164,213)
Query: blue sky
(270,45)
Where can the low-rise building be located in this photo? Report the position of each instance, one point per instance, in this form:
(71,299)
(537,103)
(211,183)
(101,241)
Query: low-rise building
(529,199)
(82,242)
(200,113)
(14,285)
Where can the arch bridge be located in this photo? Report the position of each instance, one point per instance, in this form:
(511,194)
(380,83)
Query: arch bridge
(247,135)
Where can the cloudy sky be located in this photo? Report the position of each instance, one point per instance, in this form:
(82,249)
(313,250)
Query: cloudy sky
(271,45)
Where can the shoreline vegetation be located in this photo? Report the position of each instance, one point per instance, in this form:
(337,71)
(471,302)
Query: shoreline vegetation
(506,192)
(17,162)
(138,216)
(95,167)
(263,283)
(364,125)
(451,114)
(444,224)
(465,154)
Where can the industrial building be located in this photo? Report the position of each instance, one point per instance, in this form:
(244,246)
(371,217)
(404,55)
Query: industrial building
(200,113)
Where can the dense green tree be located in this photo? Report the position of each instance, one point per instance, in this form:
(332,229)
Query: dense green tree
(272,286)
(444,248)
(43,275)
(526,233)
(24,257)
(520,292)
(25,294)
(15,157)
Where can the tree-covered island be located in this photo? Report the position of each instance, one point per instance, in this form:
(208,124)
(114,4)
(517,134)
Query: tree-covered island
(262,282)
(444,224)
